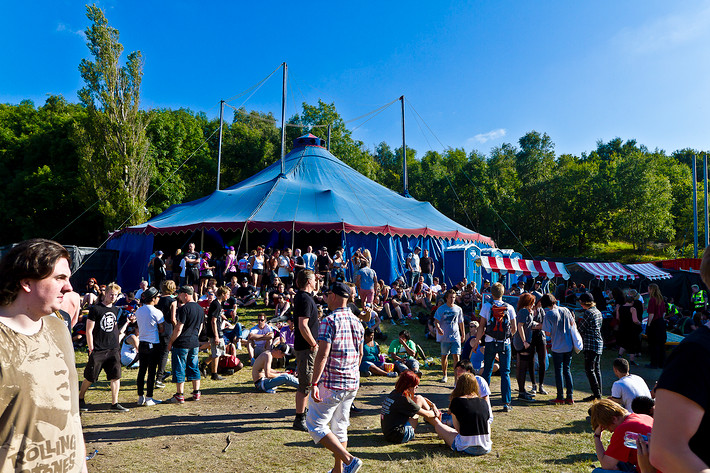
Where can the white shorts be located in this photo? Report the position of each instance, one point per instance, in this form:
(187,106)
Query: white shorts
(331,415)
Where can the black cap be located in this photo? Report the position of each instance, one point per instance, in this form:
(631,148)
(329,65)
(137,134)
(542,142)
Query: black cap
(586,298)
(341,289)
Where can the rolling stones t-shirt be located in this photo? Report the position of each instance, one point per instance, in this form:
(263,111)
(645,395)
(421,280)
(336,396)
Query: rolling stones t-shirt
(105,327)
(40,427)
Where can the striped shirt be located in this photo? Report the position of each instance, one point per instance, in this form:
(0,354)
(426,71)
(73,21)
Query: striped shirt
(344,332)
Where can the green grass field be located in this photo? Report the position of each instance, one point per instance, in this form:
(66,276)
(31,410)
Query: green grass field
(534,437)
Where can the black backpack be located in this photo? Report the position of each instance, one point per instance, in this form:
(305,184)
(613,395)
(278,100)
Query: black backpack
(498,326)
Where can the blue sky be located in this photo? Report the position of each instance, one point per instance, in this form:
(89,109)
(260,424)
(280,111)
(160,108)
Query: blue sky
(479,73)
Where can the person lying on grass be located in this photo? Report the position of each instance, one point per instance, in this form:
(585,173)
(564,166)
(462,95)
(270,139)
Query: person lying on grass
(402,408)
(265,379)
(470,415)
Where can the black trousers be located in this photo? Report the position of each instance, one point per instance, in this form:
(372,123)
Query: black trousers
(149,355)
(592,367)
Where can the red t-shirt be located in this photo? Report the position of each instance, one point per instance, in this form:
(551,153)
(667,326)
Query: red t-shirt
(639,423)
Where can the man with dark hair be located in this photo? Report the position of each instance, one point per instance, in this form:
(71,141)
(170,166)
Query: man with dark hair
(403,352)
(267,380)
(336,378)
(305,313)
(426,263)
(102,336)
(628,387)
(185,343)
(413,266)
(38,381)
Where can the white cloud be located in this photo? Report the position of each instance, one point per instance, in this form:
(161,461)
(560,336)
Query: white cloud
(488,136)
(666,33)
(61,28)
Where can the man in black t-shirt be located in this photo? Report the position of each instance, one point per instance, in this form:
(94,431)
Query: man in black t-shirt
(214,329)
(159,270)
(323,262)
(185,344)
(426,264)
(192,266)
(102,339)
(683,392)
(305,313)
(246,294)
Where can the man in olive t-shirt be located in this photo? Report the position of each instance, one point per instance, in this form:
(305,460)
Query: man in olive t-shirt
(39,408)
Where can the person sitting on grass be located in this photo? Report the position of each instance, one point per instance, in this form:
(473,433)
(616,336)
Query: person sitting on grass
(259,338)
(402,408)
(470,415)
(371,363)
(265,379)
(245,294)
(608,415)
(403,352)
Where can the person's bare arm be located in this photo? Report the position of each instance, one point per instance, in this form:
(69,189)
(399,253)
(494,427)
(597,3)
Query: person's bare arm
(213,322)
(607,462)
(669,440)
(318,367)
(176,333)
(89,334)
(479,333)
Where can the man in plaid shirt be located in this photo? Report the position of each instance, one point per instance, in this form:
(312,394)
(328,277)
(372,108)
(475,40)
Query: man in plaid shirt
(336,378)
(590,326)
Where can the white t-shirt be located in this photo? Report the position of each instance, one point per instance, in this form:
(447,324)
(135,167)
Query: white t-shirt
(629,388)
(261,331)
(284,266)
(148,318)
(414,261)
(486,314)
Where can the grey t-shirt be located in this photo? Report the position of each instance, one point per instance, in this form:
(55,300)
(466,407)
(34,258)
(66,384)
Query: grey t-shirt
(558,322)
(449,319)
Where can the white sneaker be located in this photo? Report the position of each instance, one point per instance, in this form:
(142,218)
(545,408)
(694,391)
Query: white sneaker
(444,380)
(141,400)
(149,401)
(239,345)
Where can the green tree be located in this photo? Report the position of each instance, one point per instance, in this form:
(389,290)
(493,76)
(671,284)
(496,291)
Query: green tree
(115,163)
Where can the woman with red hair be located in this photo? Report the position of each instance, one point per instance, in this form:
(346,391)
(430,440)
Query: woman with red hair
(402,407)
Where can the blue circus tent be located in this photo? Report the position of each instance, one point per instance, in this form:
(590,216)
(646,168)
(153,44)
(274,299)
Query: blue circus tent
(316,192)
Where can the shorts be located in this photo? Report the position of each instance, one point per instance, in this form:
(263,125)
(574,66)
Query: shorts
(193,276)
(107,360)
(185,365)
(452,347)
(304,369)
(217,348)
(474,450)
(257,271)
(408,432)
(367,295)
(332,415)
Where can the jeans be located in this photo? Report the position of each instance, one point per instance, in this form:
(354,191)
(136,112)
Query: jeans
(409,364)
(271,383)
(593,370)
(502,349)
(563,362)
(428,279)
(185,365)
(415,278)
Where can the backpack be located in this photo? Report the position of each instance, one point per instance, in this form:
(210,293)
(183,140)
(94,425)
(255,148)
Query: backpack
(498,325)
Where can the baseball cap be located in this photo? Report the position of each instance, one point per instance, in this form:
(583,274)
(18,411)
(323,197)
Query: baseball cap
(341,289)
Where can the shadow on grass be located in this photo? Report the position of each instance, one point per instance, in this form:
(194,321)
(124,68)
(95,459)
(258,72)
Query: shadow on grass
(187,424)
(573,459)
(576,427)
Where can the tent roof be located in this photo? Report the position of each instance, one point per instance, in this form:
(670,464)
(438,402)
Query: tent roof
(523,267)
(649,270)
(317,192)
(606,270)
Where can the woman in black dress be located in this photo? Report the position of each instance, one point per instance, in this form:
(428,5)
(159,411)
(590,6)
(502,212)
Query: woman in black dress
(629,337)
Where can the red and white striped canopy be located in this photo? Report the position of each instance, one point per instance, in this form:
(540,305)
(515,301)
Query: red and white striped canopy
(651,271)
(607,270)
(522,267)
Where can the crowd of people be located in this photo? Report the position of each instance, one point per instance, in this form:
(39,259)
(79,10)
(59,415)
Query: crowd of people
(329,327)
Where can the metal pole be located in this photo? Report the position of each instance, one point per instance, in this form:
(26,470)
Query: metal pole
(219,150)
(695,207)
(405,180)
(283,121)
(329,126)
(202,241)
(705,189)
